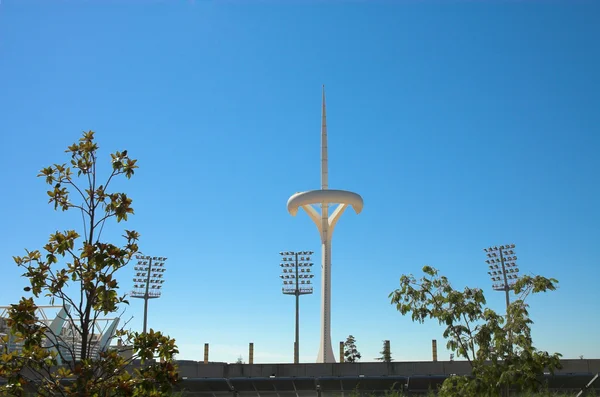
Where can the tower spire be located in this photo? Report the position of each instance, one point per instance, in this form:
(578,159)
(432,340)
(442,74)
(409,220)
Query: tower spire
(324,166)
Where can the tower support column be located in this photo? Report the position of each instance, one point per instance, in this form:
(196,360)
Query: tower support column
(326,349)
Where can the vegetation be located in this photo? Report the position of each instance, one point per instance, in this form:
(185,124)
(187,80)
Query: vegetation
(431,393)
(351,354)
(386,354)
(500,351)
(77,271)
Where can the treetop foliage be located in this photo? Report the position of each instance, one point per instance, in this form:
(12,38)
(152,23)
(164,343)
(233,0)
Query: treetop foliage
(351,354)
(75,364)
(499,348)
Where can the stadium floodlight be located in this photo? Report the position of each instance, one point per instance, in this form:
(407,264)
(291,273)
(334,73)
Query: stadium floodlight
(148,280)
(295,286)
(507,274)
(506,270)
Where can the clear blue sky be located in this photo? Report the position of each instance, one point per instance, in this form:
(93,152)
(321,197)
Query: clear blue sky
(462,125)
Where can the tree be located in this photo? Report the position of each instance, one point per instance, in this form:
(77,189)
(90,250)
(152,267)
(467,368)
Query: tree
(240,360)
(479,334)
(386,354)
(351,355)
(77,272)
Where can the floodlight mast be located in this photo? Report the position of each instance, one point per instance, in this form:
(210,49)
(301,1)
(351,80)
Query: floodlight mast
(290,259)
(148,280)
(506,275)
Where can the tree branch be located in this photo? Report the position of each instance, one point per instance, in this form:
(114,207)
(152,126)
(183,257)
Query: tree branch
(456,334)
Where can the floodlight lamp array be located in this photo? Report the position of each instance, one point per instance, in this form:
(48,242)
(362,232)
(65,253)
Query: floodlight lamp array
(303,290)
(148,257)
(293,276)
(496,248)
(296,272)
(148,277)
(503,269)
(291,256)
(501,286)
(289,253)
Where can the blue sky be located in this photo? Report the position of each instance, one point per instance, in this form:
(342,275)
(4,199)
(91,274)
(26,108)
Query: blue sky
(462,125)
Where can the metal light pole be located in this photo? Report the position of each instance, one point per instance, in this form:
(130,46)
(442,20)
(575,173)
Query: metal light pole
(148,280)
(296,277)
(503,268)
(504,273)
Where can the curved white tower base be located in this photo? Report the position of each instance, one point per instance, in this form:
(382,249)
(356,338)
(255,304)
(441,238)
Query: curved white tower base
(321,199)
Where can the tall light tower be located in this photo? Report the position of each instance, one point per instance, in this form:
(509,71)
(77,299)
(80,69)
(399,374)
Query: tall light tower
(503,268)
(148,280)
(311,202)
(296,268)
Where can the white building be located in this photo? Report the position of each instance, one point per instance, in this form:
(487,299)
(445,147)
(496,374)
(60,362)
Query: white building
(62,333)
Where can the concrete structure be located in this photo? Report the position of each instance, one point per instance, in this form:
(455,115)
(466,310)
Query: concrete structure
(310,201)
(197,369)
(345,380)
(349,379)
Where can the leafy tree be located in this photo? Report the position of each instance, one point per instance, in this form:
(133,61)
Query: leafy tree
(77,272)
(386,354)
(351,354)
(479,334)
